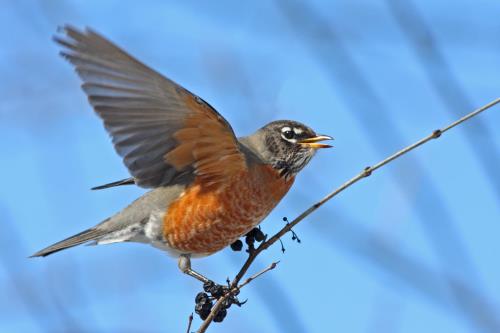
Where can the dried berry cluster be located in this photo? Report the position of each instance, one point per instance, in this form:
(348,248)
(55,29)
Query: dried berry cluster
(254,235)
(213,292)
(205,301)
(294,235)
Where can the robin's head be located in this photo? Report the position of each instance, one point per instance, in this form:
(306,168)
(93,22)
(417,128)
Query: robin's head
(288,145)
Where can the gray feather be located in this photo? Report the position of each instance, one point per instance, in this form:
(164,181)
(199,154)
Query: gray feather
(141,109)
(80,238)
(123,226)
(126,181)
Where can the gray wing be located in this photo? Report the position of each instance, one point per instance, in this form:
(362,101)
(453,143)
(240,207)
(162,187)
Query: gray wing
(160,129)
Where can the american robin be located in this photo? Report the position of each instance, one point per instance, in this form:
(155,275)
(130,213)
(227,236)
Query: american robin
(208,187)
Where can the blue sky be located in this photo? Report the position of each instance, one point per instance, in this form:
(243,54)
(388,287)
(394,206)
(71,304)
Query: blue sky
(406,250)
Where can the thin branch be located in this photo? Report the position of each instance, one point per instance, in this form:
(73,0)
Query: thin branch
(363,174)
(190,321)
(256,275)
(234,290)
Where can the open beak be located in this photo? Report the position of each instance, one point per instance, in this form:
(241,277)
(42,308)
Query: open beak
(313,142)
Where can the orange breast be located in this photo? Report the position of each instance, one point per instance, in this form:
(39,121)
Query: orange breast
(205,220)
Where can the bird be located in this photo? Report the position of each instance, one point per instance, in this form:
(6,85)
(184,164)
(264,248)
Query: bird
(207,187)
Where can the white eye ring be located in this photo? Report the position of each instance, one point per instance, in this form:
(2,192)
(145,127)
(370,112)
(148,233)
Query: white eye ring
(290,134)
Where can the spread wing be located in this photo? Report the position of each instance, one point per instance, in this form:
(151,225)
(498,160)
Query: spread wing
(160,129)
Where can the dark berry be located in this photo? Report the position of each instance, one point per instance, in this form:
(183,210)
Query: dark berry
(295,237)
(207,306)
(251,233)
(227,303)
(204,315)
(259,235)
(207,286)
(217,291)
(237,245)
(219,317)
(249,239)
(203,305)
(201,297)
(198,308)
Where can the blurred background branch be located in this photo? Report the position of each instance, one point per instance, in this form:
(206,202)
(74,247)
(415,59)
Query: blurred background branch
(446,85)
(256,62)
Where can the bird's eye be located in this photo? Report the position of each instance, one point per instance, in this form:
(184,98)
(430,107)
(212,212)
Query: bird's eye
(289,134)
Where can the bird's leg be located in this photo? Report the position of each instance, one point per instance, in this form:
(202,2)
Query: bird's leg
(184,264)
(204,302)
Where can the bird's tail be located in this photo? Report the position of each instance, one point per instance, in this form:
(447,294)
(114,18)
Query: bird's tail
(80,238)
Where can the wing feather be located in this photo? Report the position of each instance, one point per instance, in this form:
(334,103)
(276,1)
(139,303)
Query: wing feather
(163,132)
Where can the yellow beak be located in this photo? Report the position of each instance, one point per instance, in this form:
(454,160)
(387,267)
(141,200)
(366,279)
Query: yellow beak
(313,142)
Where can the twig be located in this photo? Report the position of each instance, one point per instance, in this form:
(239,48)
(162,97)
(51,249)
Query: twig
(363,174)
(190,321)
(234,289)
(256,275)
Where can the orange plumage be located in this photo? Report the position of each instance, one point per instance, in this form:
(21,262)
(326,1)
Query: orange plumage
(205,220)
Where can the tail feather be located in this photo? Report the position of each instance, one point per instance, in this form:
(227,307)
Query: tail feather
(80,238)
(126,181)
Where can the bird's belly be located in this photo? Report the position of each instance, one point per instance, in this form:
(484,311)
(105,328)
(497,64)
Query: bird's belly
(205,220)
